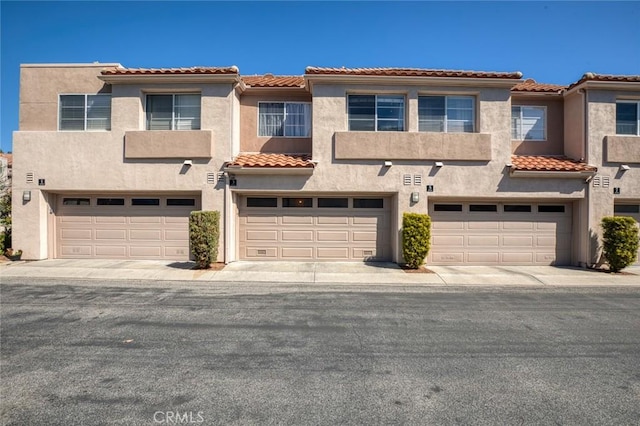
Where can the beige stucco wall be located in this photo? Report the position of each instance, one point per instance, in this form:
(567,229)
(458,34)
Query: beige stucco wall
(184,144)
(249,139)
(554,143)
(95,161)
(601,117)
(622,149)
(574,137)
(457,179)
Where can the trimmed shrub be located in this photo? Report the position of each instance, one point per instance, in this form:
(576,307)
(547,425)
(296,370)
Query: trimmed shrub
(620,241)
(416,238)
(204,234)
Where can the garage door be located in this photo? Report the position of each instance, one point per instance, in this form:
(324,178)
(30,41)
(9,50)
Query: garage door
(124,227)
(632,210)
(486,233)
(314,228)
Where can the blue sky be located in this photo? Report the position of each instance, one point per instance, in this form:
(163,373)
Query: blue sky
(552,42)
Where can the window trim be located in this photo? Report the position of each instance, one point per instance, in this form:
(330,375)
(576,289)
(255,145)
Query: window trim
(284,103)
(173,110)
(86,95)
(629,101)
(375,117)
(544,131)
(446,97)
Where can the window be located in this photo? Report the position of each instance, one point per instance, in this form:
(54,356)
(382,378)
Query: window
(262,202)
(517,208)
(368,203)
(383,113)
(110,201)
(447,207)
(449,114)
(85,112)
(626,208)
(483,208)
(181,202)
(342,203)
(76,201)
(173,112)
(550,209)
(145,201)
(288,119)
(297,202)
(528,123)
(628,118)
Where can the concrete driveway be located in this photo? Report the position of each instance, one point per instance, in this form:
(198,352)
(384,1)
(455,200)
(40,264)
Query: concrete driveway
(352,273)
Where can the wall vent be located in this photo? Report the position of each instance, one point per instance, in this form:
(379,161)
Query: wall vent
(211,178)
(406,179)
(221,177)
(605,181)
(30,177)
(262,252)
(417,180)
(596,181)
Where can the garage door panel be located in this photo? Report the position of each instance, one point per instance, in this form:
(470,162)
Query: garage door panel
(305,220)
(333,236)
(261,253)
(260,219)
(360,220)
(493,238)
(122,231)
(262,235)
(297,253)
(297,235)
(111,234)
(341,253)
(328,220)
(367,252)
(365,236)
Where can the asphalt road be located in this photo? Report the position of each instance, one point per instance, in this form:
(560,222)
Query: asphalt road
(77,352)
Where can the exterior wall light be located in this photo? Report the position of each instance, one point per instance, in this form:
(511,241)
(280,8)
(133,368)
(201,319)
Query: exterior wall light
(26,196)
(439,164)
(624,167)
(187,163)
(388,163)
(415,197)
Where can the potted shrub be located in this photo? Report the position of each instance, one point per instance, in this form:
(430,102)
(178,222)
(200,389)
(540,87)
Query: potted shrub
(12,254)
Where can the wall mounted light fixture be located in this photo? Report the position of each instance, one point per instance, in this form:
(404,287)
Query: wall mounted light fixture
(624,167)
(187,163)
(439,164)
(26,196)
(415,197)
(388,163)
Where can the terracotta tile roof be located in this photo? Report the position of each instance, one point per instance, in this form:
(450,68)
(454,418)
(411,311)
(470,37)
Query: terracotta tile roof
(272,160)
(590,76)
(530,85)
(9,158)
(192,70)
(549,163)
(411,72)
(269,80)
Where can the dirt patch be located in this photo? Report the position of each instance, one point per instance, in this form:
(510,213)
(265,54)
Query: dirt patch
(421,270)
(218,266)
(607,271)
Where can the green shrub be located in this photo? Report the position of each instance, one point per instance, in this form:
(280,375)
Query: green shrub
(416,238)
(620,241)
(204,234)
(2,239)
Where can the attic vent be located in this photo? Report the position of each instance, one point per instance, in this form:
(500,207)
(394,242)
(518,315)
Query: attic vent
(406,179)
(211,178)
(596,181)
(417,180)
(30,177)
(605,181)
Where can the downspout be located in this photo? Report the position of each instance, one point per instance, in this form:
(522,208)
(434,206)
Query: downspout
(585,111)
(226,202)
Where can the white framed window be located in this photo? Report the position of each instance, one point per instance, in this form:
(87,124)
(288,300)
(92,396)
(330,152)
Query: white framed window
(448,114)
(628,118)
(382,113)
(529,123)
(173,112)
(286,119)
(80,112)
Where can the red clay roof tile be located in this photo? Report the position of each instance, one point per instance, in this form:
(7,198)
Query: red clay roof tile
(268,80)
(530,85)
(192,70)
(411,72)
(547,163)
(606,77)
(272,160)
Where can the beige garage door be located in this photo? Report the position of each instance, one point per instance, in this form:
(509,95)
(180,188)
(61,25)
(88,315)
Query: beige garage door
(314,228)
(491,233)
(632,210)
(124,227)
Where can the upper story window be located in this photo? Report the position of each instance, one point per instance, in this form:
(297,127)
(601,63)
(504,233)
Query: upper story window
(173,112)
(288,119)
(628,118)
(450,114)
(85,112)
(528,123)
(383,113)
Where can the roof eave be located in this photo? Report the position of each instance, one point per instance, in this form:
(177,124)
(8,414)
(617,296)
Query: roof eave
(169,78)
(553,174)
(239,170)
(607,85)
(537,94)
(411,80)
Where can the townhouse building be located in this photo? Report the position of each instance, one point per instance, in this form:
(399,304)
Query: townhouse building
(110,161)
